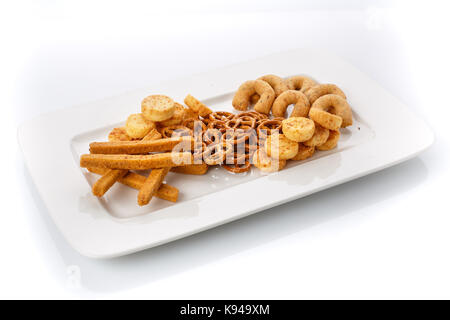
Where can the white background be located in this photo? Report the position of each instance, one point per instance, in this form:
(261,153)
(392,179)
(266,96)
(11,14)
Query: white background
(382,236)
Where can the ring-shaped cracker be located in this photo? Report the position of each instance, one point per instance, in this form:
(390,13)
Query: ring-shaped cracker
(301,83)
(332,112)
(247,89)
(320,90)
(301,107)
(319,137)
(331,142)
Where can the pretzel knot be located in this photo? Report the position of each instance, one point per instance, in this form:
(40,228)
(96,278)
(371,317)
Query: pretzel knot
(212,136)
(216,153)
(268,127)
(243,122)
(217,124)
(176,131)
(239,160)
(221,116)
(193,124)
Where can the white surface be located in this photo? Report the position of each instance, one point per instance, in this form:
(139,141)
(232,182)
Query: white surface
(96,228)
(382,236)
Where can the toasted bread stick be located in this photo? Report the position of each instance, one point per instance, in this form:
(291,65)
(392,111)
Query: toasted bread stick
(136,181)
(197,169)
(151,185)
(136,162)
(197,106)
(104,183)
(112,175)
(139,147)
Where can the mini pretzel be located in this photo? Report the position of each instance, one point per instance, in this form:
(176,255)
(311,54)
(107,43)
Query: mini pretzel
(243,122)
(221,116)
(332,141)
(239,161)
(320,90)
(175,131)
(216,153)
(301,83)
(191,124)
(301,108)
(237,136)
(217,124)
(268,127)
(254,114)
(212,136)
(247,89)
(331,111)
(238,168)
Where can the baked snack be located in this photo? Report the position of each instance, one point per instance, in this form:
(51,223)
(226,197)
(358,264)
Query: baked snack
(138,147)
(242,97)
(265,163)
(136,181)
(298,129)
(136,162)
(157,108)
(300,101)
(102,185)
(319,137)
(320,90)
(304,152)
(119,134)
(331,111)
(198,107)
(301,83)
(151,185)
(176,118)
(279,147)
(137,126)
(331,142)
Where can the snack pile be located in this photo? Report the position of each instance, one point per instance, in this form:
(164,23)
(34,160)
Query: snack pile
(167,136)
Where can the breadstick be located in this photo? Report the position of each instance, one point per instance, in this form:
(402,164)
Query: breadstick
(112,175)
(136,181)
(197,106)
(136,162)
(196,169)
(138,147)
(104,183)
(151,185)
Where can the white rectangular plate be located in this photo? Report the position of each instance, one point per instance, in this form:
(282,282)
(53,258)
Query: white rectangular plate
(384,133)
